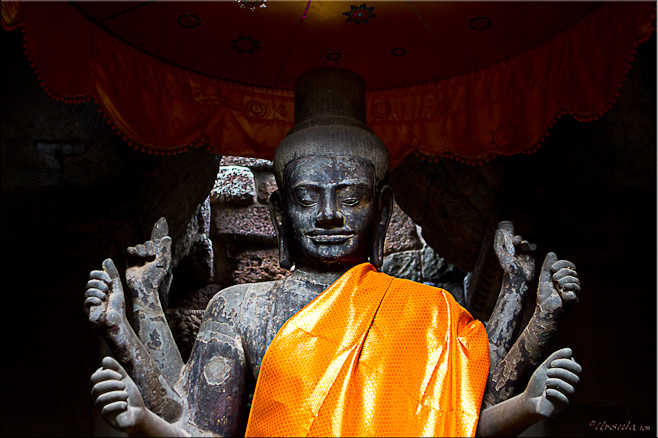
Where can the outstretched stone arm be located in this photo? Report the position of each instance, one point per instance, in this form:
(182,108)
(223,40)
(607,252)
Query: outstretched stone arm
(105,303)
(547,393)
(213,383)
(144,282)
(558,290)
(518,270)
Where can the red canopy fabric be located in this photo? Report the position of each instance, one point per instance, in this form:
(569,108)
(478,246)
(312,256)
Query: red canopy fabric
(502,109)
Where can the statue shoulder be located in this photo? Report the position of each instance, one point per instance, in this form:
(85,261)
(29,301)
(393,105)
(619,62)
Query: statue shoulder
(234,296)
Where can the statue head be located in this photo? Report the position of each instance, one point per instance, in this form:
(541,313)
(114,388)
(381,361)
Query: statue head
(333,204)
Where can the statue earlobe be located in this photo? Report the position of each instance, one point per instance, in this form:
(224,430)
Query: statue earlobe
(385,202)
(276,213)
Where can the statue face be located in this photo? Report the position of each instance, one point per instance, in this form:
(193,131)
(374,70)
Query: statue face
(331,210)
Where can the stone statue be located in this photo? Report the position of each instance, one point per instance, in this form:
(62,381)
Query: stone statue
(330,213)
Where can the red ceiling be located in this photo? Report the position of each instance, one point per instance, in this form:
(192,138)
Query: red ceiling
(404,43)
(460,79)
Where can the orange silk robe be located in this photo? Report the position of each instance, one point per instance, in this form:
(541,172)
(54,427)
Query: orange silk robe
(373,355)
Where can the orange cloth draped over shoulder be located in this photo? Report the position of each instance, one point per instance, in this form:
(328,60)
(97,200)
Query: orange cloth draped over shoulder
(373,356)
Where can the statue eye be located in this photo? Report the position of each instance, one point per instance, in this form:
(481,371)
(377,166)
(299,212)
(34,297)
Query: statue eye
(306,202)
(350,201)
(306,197)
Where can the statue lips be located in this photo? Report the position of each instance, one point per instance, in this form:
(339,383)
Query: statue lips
(329,238)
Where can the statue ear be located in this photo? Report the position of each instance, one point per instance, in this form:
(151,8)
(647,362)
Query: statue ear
(276,212)
(385,210)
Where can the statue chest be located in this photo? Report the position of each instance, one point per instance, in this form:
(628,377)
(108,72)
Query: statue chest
(264,313)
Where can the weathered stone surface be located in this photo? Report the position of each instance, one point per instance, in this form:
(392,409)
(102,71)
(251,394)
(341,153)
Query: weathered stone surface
(203,216)
(253,163)
(451,201)
(405,264)
(401,234)
(265,189)
(248,224)
(234,186)
(255,265)
(437,269)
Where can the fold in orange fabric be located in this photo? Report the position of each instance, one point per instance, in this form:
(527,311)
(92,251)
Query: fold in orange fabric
(373,356)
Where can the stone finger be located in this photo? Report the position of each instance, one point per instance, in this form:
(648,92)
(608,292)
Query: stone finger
(141,251)
(568,279)
(97,284)
(564,272)
(545,276)
(573,287)
(107,386)
(559,354)
(567,364)
(115,278)
(569,296)
(160,229)
(96,293)
(149,247)
(563,374)
(526,246)
(103,374)
(559,384)
(110,397)
(560,264)
(92,301)
(557,397)
(499,241)
(111,363)
(114,409)
(99,275)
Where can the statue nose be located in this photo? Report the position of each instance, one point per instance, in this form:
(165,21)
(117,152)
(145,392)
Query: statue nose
(329,216)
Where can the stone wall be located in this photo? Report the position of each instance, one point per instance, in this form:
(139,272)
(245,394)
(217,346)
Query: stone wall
(232,241)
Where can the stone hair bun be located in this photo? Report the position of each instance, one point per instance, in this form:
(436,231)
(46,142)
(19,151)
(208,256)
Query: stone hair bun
(330,114)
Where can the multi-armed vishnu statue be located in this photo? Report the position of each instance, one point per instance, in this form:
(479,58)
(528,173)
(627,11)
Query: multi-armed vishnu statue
(336,348)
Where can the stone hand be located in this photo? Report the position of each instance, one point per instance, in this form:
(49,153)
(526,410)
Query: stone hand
(105,302)
(558,284)
(552,384)
(513,252)
(159,247)
(117,398)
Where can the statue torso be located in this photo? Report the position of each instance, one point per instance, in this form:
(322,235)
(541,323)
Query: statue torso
(264,307)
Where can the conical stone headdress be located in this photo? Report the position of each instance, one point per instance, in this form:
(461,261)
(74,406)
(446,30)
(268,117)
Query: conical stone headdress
(330,115)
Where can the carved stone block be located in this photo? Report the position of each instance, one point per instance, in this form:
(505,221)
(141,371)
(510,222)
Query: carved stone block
(246,224)
(234,186)
(252,163)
